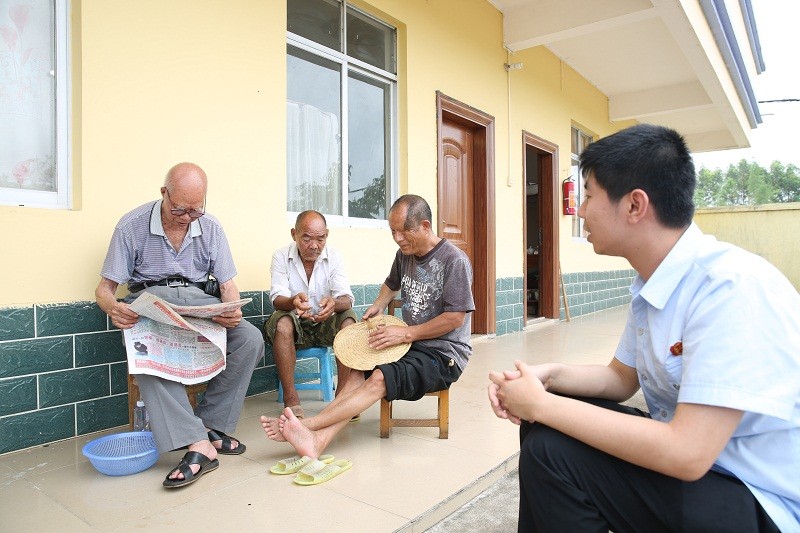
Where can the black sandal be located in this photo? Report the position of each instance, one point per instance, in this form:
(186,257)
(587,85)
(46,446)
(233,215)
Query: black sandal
(226,448)
(191,458)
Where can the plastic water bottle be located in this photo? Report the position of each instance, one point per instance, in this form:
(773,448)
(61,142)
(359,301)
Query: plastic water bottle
(141,420)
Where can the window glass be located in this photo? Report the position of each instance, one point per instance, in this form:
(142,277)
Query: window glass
(368,169)
(316,20)
(313,141)
(340,113)
(580,140)
(574,137)
(33,100)
(370,41)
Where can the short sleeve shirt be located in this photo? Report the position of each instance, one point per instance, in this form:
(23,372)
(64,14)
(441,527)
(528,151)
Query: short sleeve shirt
(716,325)
(438,282)
(140,250)
(328,278)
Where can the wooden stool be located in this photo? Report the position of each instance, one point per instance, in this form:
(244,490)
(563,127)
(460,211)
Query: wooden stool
(442,421)
(133,395)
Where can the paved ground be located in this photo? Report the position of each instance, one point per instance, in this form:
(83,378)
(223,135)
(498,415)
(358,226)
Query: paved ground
(492,511)
(495,509)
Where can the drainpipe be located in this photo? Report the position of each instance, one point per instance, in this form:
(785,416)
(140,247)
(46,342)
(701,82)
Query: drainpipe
(509,66)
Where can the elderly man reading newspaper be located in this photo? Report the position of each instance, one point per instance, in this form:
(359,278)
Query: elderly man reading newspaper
(169,248)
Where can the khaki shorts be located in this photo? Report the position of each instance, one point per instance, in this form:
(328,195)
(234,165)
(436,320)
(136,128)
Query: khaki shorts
(308,333)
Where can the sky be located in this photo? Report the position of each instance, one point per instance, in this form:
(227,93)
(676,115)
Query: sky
(776,138)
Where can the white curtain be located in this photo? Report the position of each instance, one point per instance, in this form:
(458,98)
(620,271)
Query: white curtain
(27,96)
(313,159)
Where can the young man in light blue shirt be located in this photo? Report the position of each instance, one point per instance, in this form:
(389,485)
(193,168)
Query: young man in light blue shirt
(713,341)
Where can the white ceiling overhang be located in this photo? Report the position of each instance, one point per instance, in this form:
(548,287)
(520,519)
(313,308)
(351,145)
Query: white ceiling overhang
(684,64)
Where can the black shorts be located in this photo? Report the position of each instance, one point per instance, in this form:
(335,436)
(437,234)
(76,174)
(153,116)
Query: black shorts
(418,372)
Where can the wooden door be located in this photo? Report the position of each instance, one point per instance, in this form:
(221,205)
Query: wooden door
(544,155)
(465,208)
(456,189)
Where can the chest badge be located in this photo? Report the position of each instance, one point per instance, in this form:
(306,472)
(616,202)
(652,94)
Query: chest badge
(676,349)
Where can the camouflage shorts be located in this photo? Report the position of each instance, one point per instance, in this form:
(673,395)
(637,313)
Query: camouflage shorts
(308,333)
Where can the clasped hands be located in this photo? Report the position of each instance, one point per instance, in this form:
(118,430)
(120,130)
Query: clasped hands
(302,306)
(515,394)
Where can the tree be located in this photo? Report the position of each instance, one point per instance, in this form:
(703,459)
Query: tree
(785,181)
(747,183)
(708,184)
(372,203)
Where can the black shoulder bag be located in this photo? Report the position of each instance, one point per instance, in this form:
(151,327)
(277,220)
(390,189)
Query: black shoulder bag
(212,285)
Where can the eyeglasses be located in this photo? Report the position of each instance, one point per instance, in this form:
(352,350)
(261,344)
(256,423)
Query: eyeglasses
(180,211)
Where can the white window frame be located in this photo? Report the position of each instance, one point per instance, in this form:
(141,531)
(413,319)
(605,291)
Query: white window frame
(351,64)
(578,232)
(62,198)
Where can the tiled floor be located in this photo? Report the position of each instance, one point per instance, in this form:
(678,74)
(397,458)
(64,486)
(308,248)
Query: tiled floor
(407,482)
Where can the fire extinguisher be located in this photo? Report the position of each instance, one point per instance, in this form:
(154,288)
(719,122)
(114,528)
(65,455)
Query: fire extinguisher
(570,200)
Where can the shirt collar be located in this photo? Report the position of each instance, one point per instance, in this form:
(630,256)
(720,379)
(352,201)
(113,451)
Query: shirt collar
(157,226)
(659,288)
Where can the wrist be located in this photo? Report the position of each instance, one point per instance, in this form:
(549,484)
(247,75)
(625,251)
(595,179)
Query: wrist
(551,376)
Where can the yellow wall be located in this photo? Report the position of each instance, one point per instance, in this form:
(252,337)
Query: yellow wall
(547,99)
(157,83)
(767,230)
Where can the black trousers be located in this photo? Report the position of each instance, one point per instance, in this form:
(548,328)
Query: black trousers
(568,486)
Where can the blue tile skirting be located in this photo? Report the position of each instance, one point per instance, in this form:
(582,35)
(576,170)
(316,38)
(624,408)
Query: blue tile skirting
(589,292)
(63,369)
(509,305)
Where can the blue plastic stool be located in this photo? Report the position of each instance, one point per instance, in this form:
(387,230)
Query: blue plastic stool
(325,374)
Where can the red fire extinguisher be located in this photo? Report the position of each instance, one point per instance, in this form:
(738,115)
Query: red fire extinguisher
(570,200)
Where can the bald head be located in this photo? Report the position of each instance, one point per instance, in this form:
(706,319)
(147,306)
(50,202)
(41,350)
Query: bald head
(310,233)
(186,175)
(184,189)
(307,217)
(416,210)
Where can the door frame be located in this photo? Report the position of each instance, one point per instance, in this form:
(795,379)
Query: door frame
(548,214)
(483,198)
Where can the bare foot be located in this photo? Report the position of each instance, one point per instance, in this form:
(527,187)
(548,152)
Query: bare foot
(303,439)
(272,429)
(206,448)
(297,410)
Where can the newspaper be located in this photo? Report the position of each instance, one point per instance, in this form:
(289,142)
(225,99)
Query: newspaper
(177,342)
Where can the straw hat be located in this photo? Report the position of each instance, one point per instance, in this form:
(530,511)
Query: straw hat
(351,344)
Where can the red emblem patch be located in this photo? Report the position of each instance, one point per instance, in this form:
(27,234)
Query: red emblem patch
(676,349)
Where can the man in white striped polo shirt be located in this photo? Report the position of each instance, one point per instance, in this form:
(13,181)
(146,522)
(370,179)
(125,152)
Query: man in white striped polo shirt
(169,247)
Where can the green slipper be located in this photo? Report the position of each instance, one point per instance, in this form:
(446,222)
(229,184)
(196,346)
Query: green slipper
(315,477)
(293,464)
